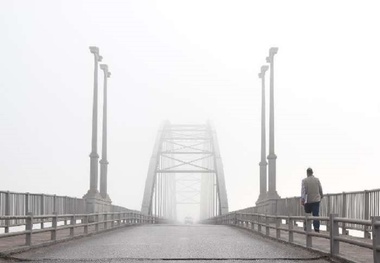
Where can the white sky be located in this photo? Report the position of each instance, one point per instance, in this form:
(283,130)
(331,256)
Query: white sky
(189,61)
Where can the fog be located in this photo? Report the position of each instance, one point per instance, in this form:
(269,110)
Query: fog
(188,62)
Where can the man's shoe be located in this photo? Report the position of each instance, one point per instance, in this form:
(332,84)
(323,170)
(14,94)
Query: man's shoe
(316,230)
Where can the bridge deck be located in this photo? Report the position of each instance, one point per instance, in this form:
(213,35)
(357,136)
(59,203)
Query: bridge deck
(175,242)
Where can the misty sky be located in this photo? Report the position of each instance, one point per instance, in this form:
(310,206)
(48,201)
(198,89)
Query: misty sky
(187,62)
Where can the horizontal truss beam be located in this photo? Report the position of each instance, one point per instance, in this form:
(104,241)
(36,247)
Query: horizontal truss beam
(187,139)
(185,171)
(173,152)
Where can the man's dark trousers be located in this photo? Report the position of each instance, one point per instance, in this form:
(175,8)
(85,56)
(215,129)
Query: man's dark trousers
(315,212)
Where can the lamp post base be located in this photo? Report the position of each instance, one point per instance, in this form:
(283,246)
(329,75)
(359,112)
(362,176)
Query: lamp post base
(95,203)
(262,198)
(273,195)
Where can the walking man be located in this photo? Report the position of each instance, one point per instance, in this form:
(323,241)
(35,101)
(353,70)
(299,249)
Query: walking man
(311,195)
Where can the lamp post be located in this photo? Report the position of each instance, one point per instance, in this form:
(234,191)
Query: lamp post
(104,161)
(272,193)
(263,163)
(93,192)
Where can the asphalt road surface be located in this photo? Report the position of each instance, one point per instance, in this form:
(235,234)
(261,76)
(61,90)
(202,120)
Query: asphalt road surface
(173,243)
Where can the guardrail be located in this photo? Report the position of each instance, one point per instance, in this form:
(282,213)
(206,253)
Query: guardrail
(260,222)
(20,204)
(72,222)
(357,205)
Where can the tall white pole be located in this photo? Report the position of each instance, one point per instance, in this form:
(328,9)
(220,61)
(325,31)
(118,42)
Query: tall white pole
(263,163)
(272,193)
(94,154)
(104,161)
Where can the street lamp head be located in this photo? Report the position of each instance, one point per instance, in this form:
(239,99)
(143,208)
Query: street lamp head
(100,58)
(104,67)
(94,50)
(273,51)
(264,69)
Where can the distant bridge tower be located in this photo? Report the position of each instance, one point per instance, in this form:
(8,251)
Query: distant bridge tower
(185,170)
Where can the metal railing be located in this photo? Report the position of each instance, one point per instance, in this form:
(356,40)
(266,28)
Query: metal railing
(360,205)
(265,223)
(74,223)
(20,204)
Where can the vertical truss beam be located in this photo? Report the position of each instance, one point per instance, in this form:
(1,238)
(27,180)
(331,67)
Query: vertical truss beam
(221,185)
(150,182)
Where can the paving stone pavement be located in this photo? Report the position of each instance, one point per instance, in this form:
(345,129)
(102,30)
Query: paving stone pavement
(173,243)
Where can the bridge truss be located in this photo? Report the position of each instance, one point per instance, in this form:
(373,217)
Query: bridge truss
(185,170)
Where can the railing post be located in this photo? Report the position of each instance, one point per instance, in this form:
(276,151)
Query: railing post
(344,229)
(96,217)
(113,220)
(278,225)
(235,218)
(105,216)
(376,238)
(54,223)
(290,225)
(55,204)
(42,209)
(276,211)
(119,219)
(7,211)
(29,229)
(287,208)
(367,234)
(328,211)
(86,224)
(252,222)
(75,206)
(27,197)
(72,223)
(259,223)
(309,242)
(267,225)
(65,209)
(334,232)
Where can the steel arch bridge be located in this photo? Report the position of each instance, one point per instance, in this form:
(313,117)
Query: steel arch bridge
(185,170)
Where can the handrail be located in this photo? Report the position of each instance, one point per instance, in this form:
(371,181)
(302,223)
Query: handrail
(107,220)
(256,222)
(20,204)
